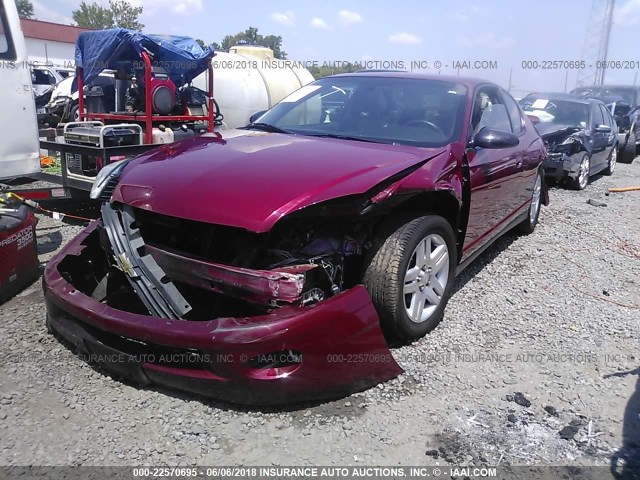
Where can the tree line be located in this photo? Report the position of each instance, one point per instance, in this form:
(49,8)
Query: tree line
(122,14)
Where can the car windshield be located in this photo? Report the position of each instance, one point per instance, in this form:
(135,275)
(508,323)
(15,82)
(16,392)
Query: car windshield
(405,111)
(604,93)
(561,112)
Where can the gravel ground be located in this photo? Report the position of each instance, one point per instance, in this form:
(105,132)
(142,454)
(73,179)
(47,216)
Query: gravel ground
(528,367)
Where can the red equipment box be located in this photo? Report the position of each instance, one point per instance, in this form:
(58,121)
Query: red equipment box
(18,248)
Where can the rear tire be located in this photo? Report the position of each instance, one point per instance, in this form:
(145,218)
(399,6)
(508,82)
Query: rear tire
(629,149)
(528,225)
(411,274)
(611,166)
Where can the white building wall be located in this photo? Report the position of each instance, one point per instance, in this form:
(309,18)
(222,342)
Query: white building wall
(60,54)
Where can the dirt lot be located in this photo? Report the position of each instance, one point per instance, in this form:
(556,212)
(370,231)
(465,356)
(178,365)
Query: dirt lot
(528,367)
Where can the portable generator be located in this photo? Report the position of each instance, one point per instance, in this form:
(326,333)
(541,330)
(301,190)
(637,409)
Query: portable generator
(163,91)
(96,134)
(19,264)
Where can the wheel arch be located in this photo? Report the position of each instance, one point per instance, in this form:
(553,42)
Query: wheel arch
(443,203)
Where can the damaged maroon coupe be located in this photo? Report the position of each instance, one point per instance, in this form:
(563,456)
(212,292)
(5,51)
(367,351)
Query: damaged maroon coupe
(262,266)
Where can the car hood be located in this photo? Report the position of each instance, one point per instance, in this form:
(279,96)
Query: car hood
(553,132)
(251,179)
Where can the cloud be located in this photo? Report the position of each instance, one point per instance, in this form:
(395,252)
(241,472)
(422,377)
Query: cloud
(349,18)
(405,38)
(628,13)
(319,23)
(181,7)
(285,18)
(42,12)
(479,11)
(459,17)
(488,41)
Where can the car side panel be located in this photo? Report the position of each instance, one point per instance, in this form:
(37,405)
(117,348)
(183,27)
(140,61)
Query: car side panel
(494,176)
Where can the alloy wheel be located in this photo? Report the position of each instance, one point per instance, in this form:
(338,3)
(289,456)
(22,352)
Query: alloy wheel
(613,159)
(535,200)
(426,278)
(583,175)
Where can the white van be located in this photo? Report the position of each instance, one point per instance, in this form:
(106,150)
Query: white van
(19,148)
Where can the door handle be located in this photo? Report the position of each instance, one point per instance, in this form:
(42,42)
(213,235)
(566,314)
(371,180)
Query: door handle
(518,162)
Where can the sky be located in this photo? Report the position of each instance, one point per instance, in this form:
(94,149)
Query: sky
(410,33)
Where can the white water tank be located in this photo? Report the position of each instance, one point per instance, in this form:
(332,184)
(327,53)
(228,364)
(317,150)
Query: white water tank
(248,79)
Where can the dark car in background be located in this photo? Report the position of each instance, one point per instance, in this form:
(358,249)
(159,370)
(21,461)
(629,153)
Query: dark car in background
(289,246)
(625,101)
(579,133)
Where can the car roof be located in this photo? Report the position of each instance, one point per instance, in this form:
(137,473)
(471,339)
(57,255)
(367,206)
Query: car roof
(631,88)
(468,82)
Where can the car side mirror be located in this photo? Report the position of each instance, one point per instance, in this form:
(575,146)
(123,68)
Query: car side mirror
(256,115)
(490,138)
(603,129)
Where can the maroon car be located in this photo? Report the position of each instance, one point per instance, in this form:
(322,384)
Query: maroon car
(263,265)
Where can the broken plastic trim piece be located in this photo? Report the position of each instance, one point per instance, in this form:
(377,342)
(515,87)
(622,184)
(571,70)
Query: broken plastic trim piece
(161,298)
(264,287)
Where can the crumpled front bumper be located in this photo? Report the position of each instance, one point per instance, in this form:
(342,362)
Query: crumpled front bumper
(326,350)
(559,165)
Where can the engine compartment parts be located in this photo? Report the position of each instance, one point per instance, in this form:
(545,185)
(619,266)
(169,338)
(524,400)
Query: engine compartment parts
(146,277)
(18,248)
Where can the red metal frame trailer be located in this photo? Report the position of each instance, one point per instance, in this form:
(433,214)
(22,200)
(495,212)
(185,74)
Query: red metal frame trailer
(148,117)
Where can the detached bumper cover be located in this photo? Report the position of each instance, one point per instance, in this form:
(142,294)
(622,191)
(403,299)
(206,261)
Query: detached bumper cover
(332,348)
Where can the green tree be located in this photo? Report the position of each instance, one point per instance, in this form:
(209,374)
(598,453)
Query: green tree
(326,70)
(251,37)
(213,45)
(125,15)
(25,8)
(118,14)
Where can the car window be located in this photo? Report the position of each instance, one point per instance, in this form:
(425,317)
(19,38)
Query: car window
(608,120)
(406,111)
(42,77)
(558,111)
(598,118)
(514,112)
(489,111)
(6,45)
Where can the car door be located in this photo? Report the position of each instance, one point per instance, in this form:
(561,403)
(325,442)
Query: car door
(528,167)
(493,172)
(600,139)
(611,137)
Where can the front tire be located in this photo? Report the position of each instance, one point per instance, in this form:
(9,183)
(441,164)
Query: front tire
(582,180)
(628,150)
(410,276)
(74,113)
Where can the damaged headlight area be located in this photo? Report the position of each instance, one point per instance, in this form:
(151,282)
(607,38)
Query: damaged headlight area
(107,180)
(152,264)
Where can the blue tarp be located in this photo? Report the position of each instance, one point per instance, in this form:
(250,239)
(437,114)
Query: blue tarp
(119,48)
